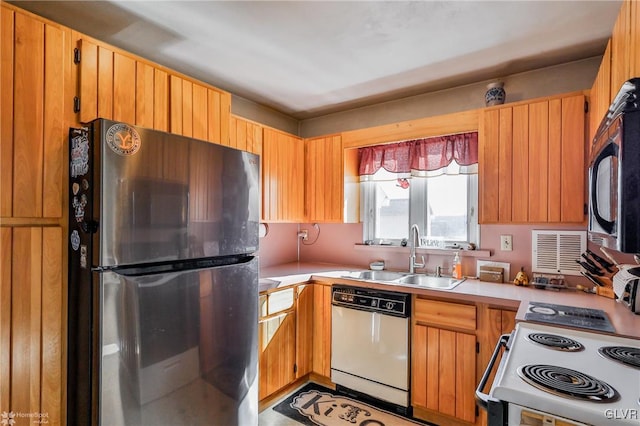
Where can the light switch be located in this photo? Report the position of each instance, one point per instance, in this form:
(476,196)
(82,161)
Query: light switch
(506,243)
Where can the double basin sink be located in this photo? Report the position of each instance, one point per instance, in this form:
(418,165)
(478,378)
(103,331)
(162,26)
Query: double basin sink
(420,280)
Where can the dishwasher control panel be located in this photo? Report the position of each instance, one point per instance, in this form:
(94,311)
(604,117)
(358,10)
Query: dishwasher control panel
(386,302)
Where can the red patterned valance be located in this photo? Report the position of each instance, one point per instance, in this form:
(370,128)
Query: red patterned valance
(422,155)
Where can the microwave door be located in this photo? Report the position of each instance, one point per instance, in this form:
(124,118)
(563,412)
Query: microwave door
(603,190)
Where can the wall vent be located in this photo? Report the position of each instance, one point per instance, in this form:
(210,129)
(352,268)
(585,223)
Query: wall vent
(556,252)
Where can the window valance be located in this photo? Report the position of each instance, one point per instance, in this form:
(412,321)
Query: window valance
(422,156)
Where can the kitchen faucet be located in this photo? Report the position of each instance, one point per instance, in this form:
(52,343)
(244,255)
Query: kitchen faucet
(414,241)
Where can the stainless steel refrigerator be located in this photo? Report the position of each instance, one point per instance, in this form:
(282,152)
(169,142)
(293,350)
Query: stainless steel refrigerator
(163,279)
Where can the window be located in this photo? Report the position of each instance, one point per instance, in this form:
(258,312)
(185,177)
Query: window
(430,182)
(444,207)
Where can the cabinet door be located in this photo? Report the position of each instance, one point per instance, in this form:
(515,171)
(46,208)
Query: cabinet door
(498,322)
(282,177)
(444,371)
(621,47)
(321,358)
(31,331)
(531,162)
(324,191)
(36,78)
(600,95)
(277,353)
(245,135)
(304,330)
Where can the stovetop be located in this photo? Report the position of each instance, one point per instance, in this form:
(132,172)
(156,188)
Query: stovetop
(569,316)
(605,408)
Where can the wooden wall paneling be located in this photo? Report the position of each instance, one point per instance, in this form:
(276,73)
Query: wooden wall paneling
(145,92)
(6,106)
(88,81)
(175,104)
(200,112)
(254,138)
(555,160)
(505,164)
(105,81)
(124,88)
(573,171)
(161,100)
(520,183)
(28,116)
(53,361)
(538,161)
(26,320)
(5,315)
(187,108)
(54,123)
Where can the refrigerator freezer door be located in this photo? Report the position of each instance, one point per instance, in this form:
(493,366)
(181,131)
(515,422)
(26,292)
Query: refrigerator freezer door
(180,348)
(168,197)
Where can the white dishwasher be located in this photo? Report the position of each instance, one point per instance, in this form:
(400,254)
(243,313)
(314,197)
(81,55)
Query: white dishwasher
(370,342)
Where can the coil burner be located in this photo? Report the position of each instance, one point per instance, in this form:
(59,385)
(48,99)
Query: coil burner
(567,383)
(623,354)
(553,341)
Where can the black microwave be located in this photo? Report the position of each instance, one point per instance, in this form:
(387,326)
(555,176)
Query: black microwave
(614,173)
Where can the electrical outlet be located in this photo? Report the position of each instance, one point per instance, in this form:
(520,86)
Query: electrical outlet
(304,234)
(506,243)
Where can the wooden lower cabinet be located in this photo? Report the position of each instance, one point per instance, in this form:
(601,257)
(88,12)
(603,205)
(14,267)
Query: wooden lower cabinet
(443,361)
(322,330)
(277,338)
(444,371)
(494,323)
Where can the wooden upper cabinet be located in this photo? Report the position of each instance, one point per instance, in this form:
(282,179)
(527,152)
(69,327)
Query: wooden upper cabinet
(35,74)
(245,135)
(121,87)
(199,111)
(622,49)
(324,188)
(282,177)
(531,162)
(600,95)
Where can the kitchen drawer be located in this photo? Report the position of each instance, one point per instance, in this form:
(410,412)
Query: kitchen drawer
(445,314)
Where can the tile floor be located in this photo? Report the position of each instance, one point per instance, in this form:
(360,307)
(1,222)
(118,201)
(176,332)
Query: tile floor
(269,417)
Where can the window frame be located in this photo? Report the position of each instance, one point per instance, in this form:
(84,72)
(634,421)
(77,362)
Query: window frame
(417,213)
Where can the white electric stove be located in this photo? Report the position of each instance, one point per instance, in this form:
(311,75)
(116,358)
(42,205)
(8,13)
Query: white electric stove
(549,375)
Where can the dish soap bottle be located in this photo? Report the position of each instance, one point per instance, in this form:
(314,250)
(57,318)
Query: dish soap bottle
(457,267)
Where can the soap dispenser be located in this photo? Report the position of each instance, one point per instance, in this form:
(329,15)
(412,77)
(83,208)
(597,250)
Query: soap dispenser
(457,267)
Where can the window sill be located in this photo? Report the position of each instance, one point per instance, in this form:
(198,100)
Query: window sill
(423,250)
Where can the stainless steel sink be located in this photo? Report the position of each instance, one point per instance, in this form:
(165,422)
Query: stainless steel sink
(441,283)
(380,275)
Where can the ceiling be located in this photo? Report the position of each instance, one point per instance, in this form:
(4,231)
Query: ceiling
(310,58)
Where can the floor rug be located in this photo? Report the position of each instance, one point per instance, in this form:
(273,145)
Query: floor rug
(314,405)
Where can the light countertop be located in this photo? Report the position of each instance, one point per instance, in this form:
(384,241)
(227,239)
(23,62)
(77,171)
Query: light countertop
(471,290)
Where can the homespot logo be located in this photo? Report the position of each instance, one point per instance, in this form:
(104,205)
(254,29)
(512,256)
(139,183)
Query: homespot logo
(622,414)
(12,418)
